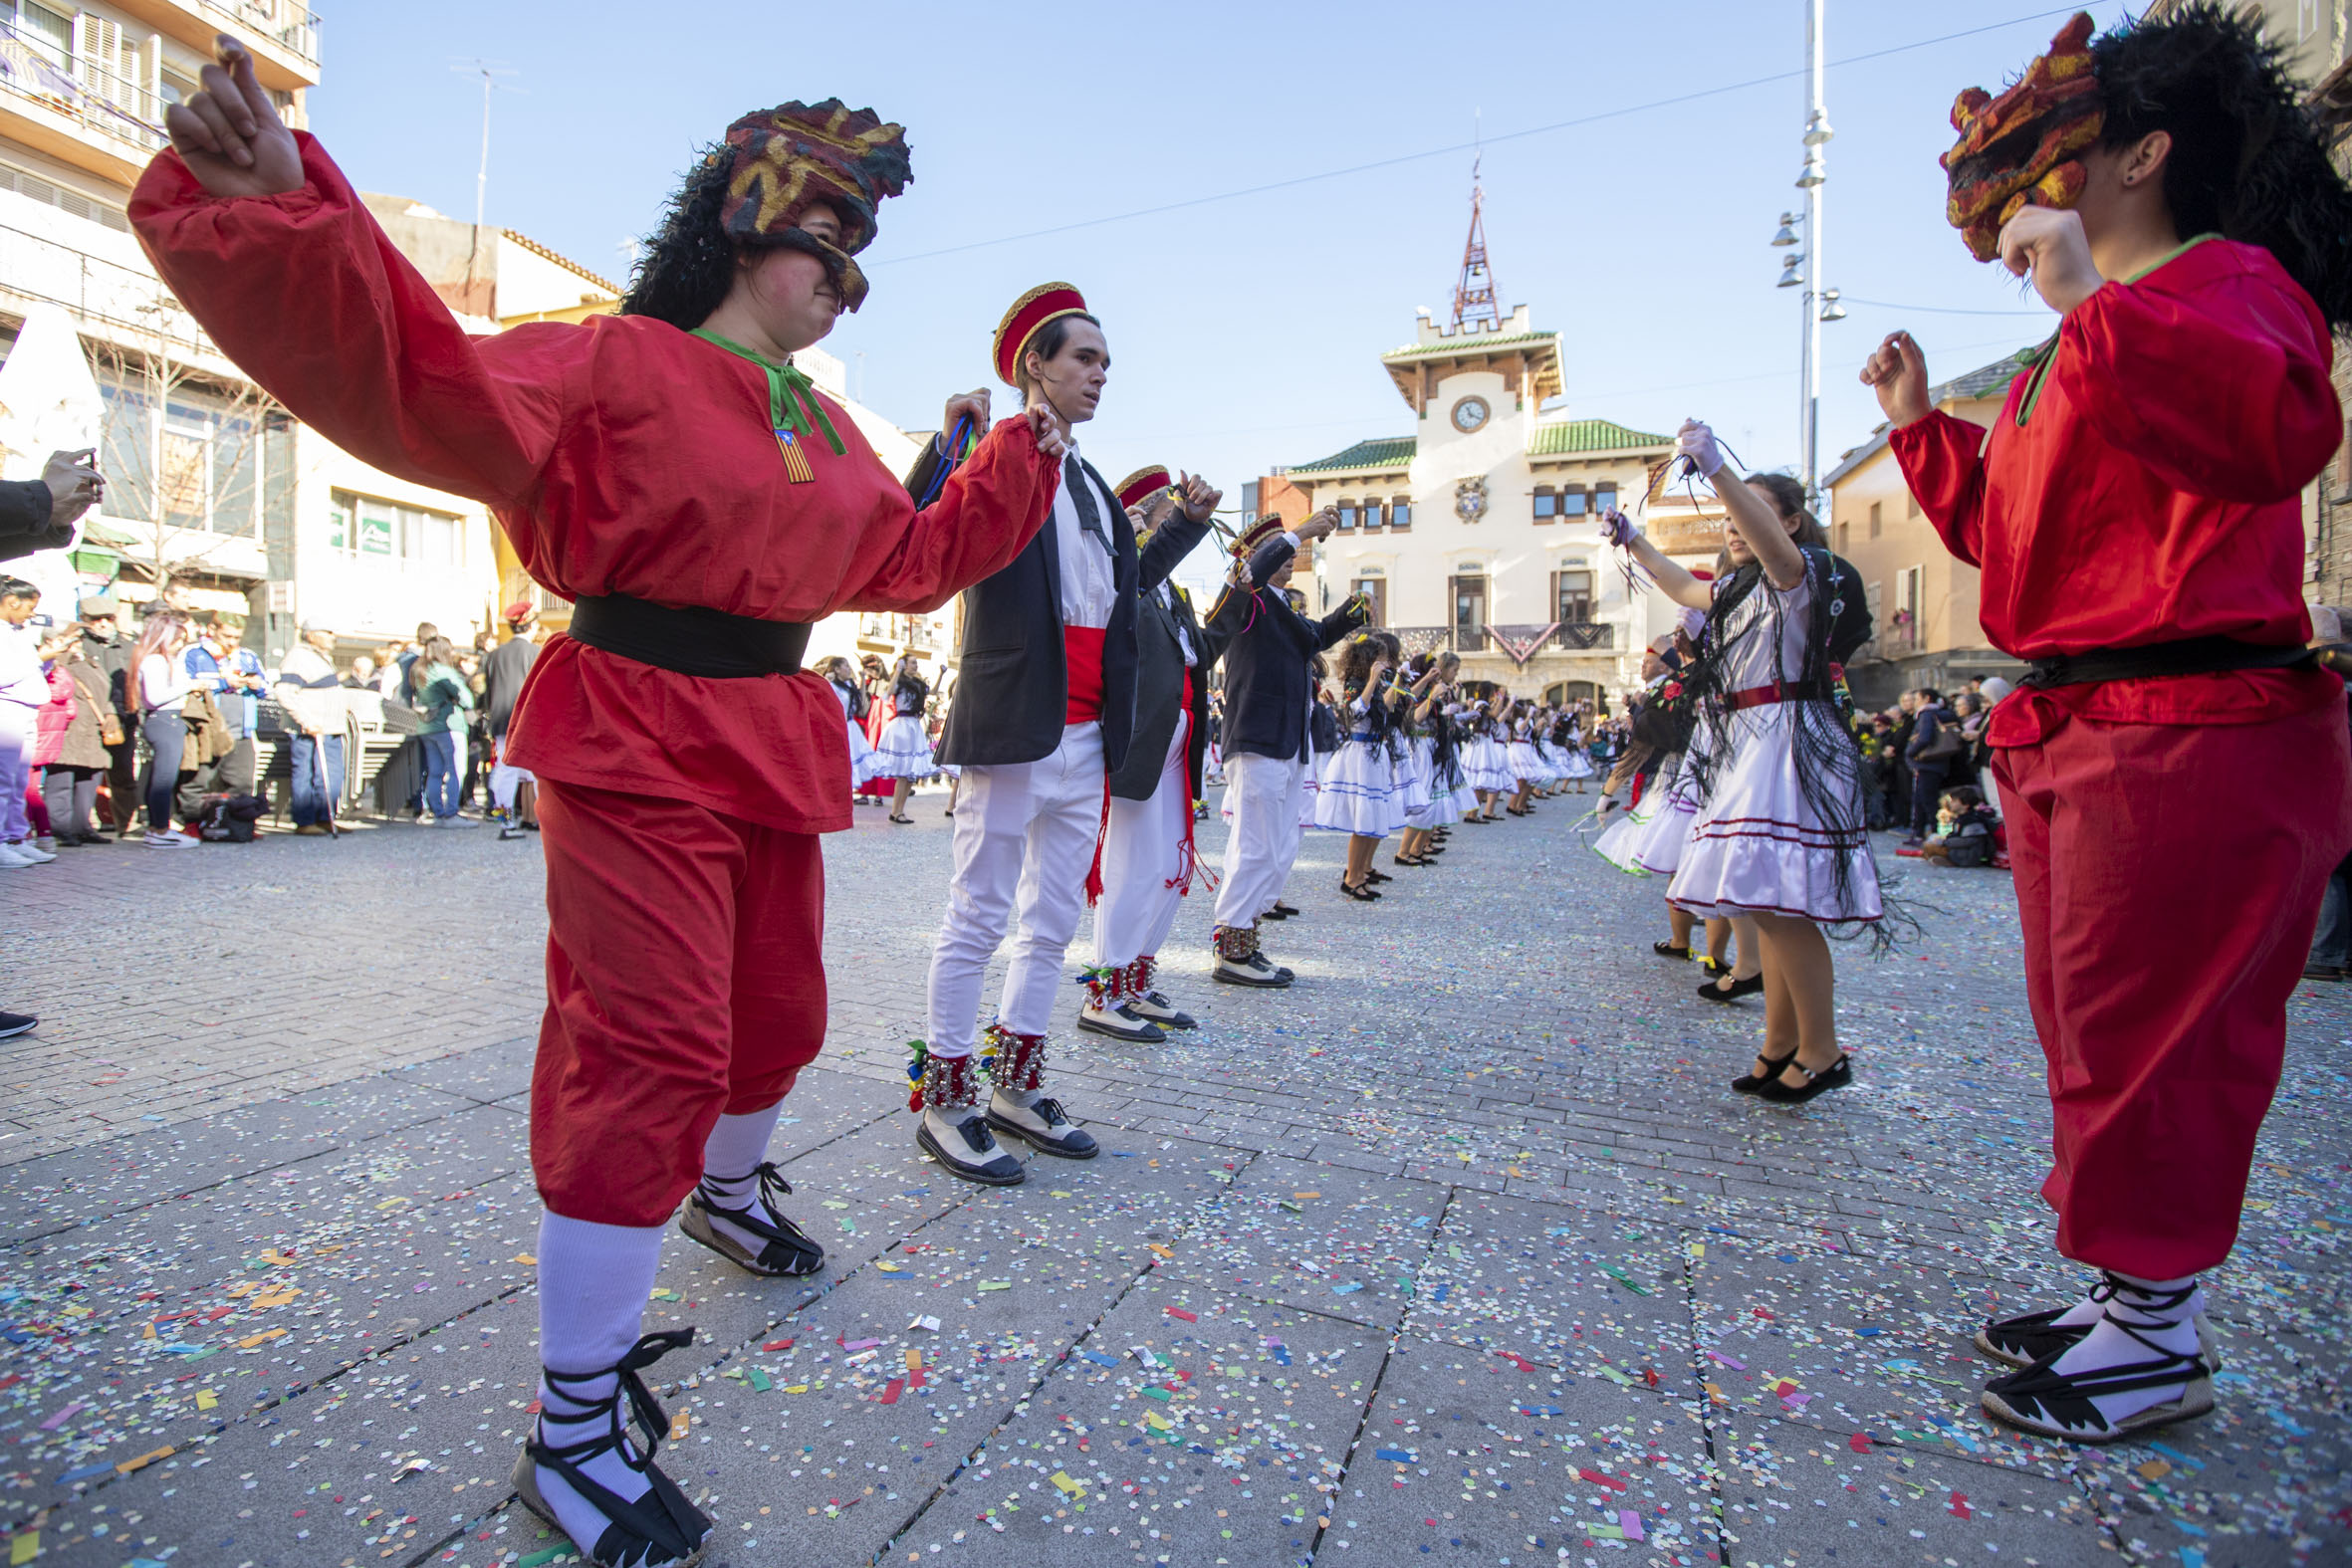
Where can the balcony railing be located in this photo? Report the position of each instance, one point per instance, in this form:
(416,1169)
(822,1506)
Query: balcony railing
(88,93)
(93,289)
(294,27)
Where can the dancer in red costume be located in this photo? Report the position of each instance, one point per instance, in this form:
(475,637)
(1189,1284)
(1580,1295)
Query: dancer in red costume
(670,472)
(2135,510)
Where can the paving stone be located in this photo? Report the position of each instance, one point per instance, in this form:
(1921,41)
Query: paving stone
(1220,1448)
(1325,1238)
(1469,1458)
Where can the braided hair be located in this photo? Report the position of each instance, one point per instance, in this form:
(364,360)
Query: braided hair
(2249,161)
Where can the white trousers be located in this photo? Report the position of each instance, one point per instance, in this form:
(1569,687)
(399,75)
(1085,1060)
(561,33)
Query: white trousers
(1025,839)
(1142,852)
(505,778)
(1266,794)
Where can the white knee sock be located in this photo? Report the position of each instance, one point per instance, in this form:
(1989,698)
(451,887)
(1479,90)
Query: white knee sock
(730,1171)
(593,1281)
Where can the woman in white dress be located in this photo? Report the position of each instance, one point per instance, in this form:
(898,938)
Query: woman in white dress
(1358,787)
(1778,835)
(841,675)
(904,752)
(1430,760)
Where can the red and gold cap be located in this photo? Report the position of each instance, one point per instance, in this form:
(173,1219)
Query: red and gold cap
(1142,485)
(2021,148)
(1048,302)
(1258,534)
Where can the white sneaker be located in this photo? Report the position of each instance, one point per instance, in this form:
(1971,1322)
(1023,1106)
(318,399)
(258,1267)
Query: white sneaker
(31,853)
(12,859)
(169,841)
(46,843)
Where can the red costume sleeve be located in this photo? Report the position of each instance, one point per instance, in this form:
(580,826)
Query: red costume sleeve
(924,558)
(2243,409)
(344,332)
(1943,458)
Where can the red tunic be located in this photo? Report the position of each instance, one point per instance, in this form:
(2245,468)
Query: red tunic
(2152,494)
(620,456)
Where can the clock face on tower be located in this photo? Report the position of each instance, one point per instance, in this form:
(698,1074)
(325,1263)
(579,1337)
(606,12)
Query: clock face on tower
(1470,414)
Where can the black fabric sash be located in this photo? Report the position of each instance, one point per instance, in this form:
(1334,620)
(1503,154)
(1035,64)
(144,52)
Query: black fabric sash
(2188,656)
(692,641)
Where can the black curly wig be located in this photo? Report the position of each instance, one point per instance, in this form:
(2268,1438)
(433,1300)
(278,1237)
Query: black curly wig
(2248,160)
(686,268)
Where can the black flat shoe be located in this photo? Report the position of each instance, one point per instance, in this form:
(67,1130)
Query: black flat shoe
(903,822)
(1666,948)
(1362,895)
(1752,1084)
(1409,860)
(1737,988)
(1281,911)
(1837,1075)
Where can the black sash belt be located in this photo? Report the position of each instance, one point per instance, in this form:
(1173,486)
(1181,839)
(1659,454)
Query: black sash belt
(2188,656)
(692,641)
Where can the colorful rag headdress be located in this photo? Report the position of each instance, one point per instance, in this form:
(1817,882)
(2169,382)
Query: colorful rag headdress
(1048,302)
(786,157)
(2021,148)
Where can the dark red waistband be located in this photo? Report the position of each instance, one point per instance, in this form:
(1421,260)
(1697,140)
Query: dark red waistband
(1081,648)
(1779,691)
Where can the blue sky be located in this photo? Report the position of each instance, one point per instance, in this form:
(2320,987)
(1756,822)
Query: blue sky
(1245,332)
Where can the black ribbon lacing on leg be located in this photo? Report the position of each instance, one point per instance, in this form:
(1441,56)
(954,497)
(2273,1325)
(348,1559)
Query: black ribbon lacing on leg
(662,1520)
(781,1231)
(2064,1397)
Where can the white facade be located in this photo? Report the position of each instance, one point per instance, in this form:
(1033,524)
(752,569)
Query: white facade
(1480,530)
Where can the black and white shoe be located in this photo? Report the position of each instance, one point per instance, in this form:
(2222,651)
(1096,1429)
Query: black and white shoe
(15,1023)
(1251,971)
(1042,1124)
(1120,1022)
(966,1149)
(2030,1337)
(658,1528)
(786,1251)
(1160,1011)
(2157,1385)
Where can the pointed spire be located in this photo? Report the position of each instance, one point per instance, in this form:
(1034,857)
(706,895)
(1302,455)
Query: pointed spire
(1473,296)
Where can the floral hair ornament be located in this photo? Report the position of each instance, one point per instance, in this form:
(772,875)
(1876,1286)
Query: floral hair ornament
(784,160)
(2021,149)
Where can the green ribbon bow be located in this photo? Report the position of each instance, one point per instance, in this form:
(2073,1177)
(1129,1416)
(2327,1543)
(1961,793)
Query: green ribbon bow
(789,392)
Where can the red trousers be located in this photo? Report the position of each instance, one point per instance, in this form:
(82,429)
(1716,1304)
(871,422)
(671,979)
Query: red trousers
(685,977)
(2168,877)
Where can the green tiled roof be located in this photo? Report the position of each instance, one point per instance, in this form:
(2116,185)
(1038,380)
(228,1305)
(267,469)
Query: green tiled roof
(1589,435)
(1471,342)
(1379,452)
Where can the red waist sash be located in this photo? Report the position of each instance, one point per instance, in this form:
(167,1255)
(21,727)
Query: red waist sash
(1081,649)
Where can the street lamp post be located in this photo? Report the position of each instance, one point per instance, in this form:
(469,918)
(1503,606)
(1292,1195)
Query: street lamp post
(1816,175)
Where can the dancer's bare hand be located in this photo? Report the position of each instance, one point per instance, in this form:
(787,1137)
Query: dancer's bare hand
(75,485)
(229,133)
(1898,372)
(1196,497)
(2050,243)
(972,405)
(1050,440)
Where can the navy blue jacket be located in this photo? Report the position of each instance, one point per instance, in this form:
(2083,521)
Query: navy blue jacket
(1267,646)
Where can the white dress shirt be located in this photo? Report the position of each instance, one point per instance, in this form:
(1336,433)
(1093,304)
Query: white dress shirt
(1089,585)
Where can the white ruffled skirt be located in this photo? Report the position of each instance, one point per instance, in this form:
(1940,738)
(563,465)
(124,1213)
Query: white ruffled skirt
(1358,792)
(1487,765)
(1434,795)
(1756,847)
(1649,839)
(862,755)
(1576,763)
(905,752)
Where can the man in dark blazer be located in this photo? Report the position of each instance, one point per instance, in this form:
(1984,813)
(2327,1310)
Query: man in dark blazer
(1147,856)
(1045,704)
(1268,685)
